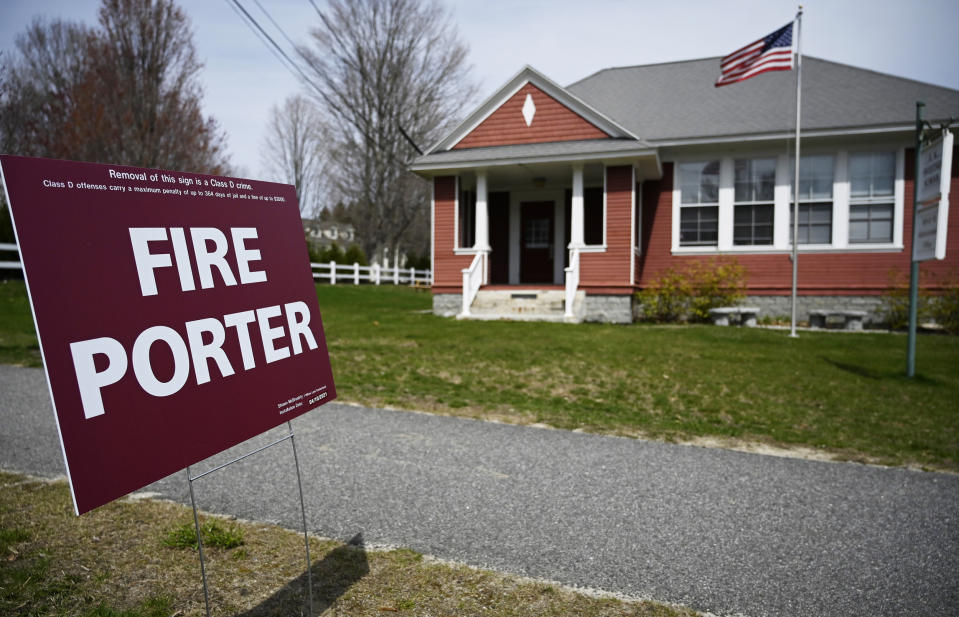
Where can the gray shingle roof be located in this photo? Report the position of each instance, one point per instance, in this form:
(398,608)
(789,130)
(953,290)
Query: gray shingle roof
(677,100)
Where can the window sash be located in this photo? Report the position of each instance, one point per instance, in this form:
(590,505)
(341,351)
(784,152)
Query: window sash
(755,180)
(816,177)
(753,224)
(871,223)
(872,174)
(467,216)
(815,223)
(699,226)
(699,183)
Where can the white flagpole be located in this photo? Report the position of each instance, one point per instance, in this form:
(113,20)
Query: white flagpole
(795,254)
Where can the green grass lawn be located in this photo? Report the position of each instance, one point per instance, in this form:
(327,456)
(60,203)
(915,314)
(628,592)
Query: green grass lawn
(843,393)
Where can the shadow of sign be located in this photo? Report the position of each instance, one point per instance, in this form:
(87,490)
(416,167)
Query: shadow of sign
(332,576)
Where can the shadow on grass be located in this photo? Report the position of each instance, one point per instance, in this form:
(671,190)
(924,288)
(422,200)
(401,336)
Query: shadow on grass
(875,375)
(332,576)
(861,371)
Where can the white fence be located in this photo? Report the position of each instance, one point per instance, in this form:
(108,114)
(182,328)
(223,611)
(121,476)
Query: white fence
(5,262)
(324,273)
(355,274)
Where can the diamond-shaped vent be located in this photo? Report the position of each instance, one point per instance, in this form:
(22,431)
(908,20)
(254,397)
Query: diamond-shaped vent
(529,109)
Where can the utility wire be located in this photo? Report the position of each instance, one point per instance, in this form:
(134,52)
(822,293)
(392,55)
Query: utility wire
(257,34)
(289,61)
(285,59)
(275,25)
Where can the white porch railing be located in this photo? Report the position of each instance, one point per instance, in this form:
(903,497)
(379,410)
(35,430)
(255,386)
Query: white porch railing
(473,278)
(572,280)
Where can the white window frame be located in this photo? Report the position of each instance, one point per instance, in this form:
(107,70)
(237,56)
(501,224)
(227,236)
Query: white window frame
(594,248)
(782,242)
(898,193)
(678,205)
(837,230)
(772,202)
(457,249)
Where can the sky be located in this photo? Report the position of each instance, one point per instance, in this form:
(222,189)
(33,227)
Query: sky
(564,39)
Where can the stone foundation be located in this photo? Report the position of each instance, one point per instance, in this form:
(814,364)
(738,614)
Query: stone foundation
(609,309)
(447,305)
(781,306)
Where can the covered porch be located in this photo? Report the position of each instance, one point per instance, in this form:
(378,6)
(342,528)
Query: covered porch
(536,238)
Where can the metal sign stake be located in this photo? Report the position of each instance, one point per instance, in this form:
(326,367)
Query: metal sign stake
(199,543)
(306,537)
(299,484)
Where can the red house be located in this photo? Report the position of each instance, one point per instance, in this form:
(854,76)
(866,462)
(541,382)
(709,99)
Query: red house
(560,203)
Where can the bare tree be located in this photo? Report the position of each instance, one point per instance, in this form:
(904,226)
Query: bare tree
(294,151)
(125,92)
(378,68)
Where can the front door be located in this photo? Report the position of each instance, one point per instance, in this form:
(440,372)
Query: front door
(536,242)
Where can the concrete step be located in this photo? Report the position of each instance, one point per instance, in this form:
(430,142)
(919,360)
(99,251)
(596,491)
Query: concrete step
(526,304)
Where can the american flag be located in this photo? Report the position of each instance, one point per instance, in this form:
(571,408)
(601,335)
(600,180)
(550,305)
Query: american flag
(770,53)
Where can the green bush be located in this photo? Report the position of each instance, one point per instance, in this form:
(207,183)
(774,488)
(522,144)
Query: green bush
(944,309)
(354,254)
(688,294)
(418,261)
(895,301)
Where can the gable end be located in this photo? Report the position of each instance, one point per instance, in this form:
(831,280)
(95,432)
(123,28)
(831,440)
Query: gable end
(552,121)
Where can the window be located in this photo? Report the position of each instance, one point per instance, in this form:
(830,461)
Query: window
(467,216)
(871,179)
(815,200)
(753,209)
(815,223)
(870,223)
(699,204)
(537,234)
(593,215)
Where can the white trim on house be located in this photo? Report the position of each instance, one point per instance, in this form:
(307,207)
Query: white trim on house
(605,189)
(782,203)
(909,129)
(432,232)
(530,75)
(516,198)
(638,246)
(609,157)
(632,224)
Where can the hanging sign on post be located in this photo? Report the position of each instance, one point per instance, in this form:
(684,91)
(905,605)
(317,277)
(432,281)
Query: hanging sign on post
(932,215)
(176,314)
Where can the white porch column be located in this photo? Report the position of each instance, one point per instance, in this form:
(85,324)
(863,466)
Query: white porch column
(482,213)
(576,234)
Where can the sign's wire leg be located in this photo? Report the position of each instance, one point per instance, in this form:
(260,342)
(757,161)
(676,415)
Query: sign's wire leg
(306,537)
(199,542)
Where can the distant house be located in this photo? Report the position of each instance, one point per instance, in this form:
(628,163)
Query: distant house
(598,187)
(321,234)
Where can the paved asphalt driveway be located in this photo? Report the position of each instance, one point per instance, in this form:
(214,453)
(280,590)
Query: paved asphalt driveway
(720,531)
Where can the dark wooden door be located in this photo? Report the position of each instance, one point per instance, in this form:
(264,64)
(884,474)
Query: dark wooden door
(537,219)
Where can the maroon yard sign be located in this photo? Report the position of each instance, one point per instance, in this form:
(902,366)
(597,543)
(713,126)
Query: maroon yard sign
(176,314)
